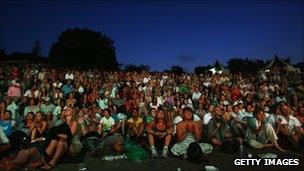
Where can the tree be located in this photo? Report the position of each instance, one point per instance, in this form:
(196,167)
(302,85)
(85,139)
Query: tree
(36,50)
(248,66)
(137,68)
(202,69)
(84,48)
(177,70)
(2,55)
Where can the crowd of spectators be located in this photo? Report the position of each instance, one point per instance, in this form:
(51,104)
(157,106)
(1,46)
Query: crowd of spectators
(63,111)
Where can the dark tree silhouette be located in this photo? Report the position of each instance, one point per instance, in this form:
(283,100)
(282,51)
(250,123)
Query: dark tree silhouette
(2,55)
(84,48)
(248,66)
(137,68)
(21,56)
(300,65)
(36,50)
(177,70)
(202,69)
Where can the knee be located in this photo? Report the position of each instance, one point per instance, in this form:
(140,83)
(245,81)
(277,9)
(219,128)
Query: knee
(24,151)
(268,126)
(32,150)
(61,143)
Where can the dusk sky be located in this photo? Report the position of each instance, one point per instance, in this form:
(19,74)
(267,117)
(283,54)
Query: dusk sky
(162,34)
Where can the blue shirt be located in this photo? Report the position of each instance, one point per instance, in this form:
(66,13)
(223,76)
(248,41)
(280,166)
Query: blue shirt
(66,89)
(7,127)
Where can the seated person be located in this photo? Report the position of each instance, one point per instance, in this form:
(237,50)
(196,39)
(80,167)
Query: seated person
(60,139)
(4,142)
(218,128)
(107,124)
(289,126)
(300,115)
(119,118)
(32,107)
(179,118)
(187,131)
(259,132)
(26,124)
(135,126)
(160,129)
(8,125)
(38,127)
(57,143)
(89,132)
(150,116)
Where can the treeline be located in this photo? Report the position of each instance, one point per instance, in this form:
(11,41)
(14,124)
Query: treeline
(84,48)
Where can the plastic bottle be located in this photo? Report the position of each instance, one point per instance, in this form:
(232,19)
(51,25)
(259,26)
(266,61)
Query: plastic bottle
(241,150)
(108,158)
(111,158)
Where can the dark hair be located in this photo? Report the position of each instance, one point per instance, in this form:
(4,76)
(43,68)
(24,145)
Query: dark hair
(29,101)
(257,110)
(188,109)
(9,112)
(108,110)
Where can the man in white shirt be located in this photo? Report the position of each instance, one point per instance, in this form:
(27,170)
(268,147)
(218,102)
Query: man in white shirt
(106,124)
(32,93)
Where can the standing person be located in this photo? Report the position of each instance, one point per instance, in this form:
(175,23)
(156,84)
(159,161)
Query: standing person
(160,131)
(259,132)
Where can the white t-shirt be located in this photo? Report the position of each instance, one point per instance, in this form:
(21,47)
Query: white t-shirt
(160,100)
(196,95)
(80,90)
(107,123)
(29,94)
(207,118)
(58,85)
(69,76)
